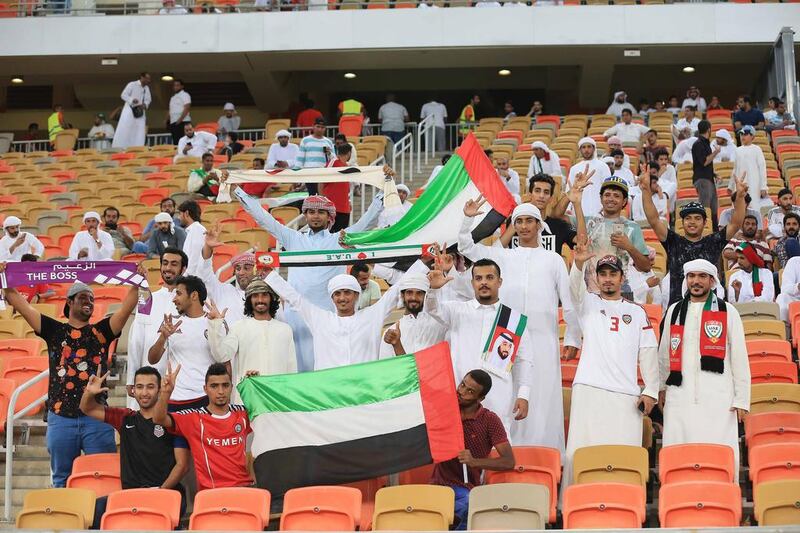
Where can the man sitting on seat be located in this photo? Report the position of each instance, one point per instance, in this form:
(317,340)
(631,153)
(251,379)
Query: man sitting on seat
(483,430)
(194,143)
(751,282)
(204,180)
(149,457)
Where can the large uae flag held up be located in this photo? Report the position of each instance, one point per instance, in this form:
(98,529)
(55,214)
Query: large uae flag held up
(353,422)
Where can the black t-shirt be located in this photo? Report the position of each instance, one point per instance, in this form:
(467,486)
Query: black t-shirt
(147,453)
(681,250)
(74,356)
(561,232)
(701,149)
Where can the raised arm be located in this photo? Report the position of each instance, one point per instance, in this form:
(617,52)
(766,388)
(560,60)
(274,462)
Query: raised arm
(466,246)
(122,314)
(739,208)
(312,314)
(650,209)
(369,218)
(160,415)
(223,345)
(577,282)
(264,219)
(89,405)
(440,311)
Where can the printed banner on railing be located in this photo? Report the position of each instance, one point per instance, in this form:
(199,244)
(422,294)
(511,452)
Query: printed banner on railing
(344,256)
(103,272)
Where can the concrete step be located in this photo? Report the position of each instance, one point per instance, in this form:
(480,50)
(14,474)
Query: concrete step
(17,496)
(28,482)
(39,467)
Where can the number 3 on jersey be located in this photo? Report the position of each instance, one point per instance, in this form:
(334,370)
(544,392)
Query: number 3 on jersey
(614,323)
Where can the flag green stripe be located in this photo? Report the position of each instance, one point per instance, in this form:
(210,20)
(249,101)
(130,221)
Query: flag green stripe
(333,388)
(448,184)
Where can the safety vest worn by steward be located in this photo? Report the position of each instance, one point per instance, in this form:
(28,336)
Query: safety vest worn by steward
(351,107)
(54,125)
(467,116)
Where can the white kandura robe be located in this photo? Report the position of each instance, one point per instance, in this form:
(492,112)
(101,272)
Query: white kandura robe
(342,340)
(590,201)
(534,280)
(790,287)
(143,334)
(224,295)
(470,324)
(750,162)
(132,131)
(699,411)
(193,247)
(416,333)
(263,345)
(746,292)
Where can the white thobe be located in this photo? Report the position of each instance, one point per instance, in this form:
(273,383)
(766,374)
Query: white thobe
(310,282)
(511,183)
(790,287)
(700,410)
(691,124)
(641,290)
(746,292)
(627,133)
(101,143)
(263,345)
(535,280)
(342,340)
(416,333)
(224,295)
(726,153)
(637,209)
(82,240)
(626,174)
(751,164)
(384,221)
(551,167)
(144,333)
(470,324)
(202,142)
(618,338)
(699,103)
(286,153)
(591,194)
(616,108)
(193,247)
(458,290)
(31,245)
(775,220)
(668,181)
(683,151)
(131,131)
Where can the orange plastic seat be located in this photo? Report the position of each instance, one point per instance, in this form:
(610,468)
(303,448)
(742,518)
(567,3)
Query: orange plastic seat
(534,464)
(210,127)
(153,196)
(351,125)
(769,350)
(773,462)
(417,476)
(772,372)
(368,488)
(99,472)
(20,347)
(158,162)
(769,428)
(110,294)
(604,506)
(142,510)
(700,504)
(230,509)
(22,369)
(321,509)
(696,462)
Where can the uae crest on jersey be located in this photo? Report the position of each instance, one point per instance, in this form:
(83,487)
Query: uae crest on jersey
(713,329)
(627,319)
(158,431)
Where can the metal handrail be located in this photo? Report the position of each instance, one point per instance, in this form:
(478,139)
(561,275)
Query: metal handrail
(425,128)
(11,418)
(404,149)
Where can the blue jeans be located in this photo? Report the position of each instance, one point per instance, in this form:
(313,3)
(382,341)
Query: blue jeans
(67,437)
(395,136)
(139,247)
(461,509)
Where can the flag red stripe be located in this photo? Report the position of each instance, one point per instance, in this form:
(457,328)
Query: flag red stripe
(439,404)
(485,177)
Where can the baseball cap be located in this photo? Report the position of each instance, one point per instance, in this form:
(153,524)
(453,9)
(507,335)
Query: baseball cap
(747,130)
(611,261)
(615,181)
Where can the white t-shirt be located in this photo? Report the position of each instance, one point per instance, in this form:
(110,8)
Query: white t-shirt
(439,111)
(189,347)
(613,333)
(392,116)
(176,104)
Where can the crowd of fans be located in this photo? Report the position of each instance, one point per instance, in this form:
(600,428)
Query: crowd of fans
(203,335)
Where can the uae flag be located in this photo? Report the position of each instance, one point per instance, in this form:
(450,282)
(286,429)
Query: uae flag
(354,422)
(437,214)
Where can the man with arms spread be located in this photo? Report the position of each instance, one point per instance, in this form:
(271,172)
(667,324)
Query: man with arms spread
(483,431)
(149,456)
(216,434)
(76,349)
(681,249)
(705,375)
(607,402)
(310,282)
